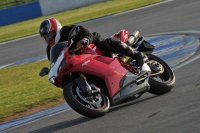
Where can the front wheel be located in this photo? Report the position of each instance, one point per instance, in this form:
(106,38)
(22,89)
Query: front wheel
(93,106)
(162,78)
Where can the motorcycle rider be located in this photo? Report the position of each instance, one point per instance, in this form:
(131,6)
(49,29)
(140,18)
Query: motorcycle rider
(52,32)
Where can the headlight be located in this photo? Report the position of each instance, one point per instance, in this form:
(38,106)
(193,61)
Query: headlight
(62,65)
(52,80)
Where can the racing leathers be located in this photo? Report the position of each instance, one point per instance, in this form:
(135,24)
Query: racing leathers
(109,45)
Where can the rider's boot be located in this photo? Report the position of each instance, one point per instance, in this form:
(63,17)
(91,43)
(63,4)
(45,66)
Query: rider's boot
(138,56)
(133,53)
(145,68)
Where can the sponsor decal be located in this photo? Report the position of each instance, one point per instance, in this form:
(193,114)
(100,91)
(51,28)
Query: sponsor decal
(85,63)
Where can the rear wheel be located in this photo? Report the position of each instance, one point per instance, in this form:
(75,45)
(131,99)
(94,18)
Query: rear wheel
(92,106)
(162,78)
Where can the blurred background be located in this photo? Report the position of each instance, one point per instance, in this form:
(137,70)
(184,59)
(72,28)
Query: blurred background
(11,3)
(13,11)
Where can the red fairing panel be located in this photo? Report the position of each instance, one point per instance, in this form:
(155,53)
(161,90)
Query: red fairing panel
(95,49)
(107,68)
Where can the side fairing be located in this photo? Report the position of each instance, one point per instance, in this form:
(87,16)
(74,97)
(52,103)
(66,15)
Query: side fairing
(54,66)
(107,68)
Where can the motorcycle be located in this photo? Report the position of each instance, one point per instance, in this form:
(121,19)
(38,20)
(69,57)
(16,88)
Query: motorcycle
(92,81)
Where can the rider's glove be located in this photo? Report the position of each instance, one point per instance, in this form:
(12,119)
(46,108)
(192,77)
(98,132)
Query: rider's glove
(44,71)
(84,42)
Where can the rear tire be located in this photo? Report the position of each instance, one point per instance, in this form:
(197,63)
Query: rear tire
(163,83)
(93,106)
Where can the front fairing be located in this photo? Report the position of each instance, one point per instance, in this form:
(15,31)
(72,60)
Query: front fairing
(56,57)
(56,51)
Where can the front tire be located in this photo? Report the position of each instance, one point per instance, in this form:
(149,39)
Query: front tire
(93,106)
(162,83)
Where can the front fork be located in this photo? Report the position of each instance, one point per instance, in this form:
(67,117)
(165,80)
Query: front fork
(84,85)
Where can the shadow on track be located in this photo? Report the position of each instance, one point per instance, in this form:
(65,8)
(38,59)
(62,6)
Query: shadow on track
(61,125)
(131,102)
(71,123)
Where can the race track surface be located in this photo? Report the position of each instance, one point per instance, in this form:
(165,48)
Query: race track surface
(175,112)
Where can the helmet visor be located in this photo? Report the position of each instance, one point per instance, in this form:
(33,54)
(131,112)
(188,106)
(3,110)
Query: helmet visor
(49,37)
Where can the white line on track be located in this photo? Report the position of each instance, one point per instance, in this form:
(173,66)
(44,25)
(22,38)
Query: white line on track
(19,39)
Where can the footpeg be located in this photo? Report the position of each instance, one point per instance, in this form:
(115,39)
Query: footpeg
(141,78)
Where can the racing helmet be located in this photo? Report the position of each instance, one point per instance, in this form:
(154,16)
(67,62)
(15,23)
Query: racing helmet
(50,30)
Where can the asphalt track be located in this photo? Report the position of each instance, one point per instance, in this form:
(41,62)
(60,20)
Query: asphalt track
(175,112)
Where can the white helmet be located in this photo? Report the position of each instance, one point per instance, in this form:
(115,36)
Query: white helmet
(50,30)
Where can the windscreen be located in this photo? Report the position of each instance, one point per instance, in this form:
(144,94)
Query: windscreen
(56,50)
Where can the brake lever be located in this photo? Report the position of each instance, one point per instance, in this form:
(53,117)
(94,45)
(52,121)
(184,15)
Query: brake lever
(75,50)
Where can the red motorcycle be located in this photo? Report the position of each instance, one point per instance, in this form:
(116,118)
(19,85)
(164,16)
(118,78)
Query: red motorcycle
(92,81)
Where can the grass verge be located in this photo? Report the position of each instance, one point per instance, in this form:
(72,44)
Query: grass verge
(21,88)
